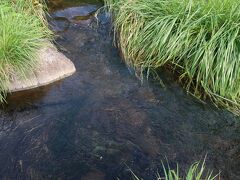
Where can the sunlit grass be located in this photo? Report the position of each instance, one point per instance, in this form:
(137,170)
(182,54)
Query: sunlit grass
(23,31)
(198,38)
(196,171)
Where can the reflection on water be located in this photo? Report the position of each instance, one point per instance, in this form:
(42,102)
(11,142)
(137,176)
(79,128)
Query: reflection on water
(63,4)
(70,13)
(102,120)
(32,96)
(82,13)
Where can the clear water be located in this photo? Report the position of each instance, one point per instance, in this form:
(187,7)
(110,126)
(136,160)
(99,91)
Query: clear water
(102,121)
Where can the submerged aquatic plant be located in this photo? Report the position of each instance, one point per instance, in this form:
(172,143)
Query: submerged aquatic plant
(199,39)
(23,32)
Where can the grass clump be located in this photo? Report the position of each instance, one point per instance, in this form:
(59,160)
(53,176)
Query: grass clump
(198,38)
(23,31)
(197,171)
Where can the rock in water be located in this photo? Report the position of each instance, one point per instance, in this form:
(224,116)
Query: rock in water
(70,13)
(52,67)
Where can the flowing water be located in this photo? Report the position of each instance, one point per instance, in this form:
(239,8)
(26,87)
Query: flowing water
(102,121)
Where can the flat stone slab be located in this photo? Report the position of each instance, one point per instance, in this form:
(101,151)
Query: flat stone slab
(52,67)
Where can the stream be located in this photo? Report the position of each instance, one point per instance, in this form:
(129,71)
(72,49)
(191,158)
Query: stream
(102,122)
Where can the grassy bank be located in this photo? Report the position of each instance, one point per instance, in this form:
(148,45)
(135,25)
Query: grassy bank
(199,39)
(23,31)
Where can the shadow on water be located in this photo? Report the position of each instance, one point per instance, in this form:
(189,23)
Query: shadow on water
(102,120)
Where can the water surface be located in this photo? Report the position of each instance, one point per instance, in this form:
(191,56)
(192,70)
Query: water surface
(102,121)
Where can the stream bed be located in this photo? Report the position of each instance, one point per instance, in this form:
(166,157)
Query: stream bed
(102,121)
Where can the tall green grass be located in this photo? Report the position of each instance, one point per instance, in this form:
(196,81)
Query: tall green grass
(23,31)
(200,39)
